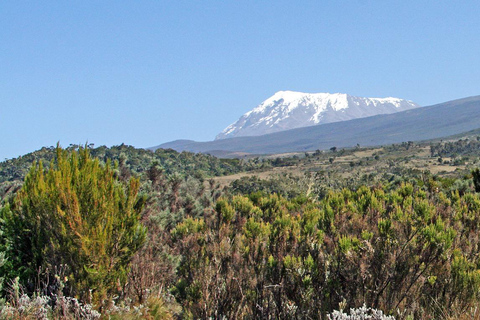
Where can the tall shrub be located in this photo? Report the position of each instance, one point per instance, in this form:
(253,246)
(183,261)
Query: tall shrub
(77,219)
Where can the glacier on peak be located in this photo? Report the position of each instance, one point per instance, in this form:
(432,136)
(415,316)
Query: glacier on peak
(287,110)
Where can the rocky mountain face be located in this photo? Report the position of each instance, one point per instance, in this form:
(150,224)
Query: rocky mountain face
(287,110)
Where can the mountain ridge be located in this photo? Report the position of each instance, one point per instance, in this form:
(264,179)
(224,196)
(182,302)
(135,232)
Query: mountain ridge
(436,121)
(287,110)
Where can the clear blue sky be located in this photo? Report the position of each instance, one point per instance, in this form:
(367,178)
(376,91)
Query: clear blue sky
(148,72)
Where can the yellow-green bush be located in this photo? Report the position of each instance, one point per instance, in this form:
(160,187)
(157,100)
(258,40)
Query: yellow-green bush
(74,227)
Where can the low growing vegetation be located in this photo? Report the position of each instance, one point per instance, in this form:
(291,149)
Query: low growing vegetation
(125,234)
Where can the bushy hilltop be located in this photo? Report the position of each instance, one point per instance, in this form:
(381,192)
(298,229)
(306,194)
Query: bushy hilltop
(134,159)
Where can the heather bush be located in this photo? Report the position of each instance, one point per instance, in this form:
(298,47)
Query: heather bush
(75,217)
(266,256)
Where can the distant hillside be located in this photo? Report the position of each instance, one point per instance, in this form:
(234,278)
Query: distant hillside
(137,161)
(441,120)
(287,110)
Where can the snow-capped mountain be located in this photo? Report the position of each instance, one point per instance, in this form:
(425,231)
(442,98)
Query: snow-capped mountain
(288,110)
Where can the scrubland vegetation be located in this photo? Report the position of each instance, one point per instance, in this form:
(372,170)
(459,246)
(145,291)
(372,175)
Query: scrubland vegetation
(124,233)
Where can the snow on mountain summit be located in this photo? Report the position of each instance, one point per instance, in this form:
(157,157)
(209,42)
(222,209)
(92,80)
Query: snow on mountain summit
(289,109)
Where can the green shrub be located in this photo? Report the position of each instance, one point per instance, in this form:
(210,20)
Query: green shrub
(77,221)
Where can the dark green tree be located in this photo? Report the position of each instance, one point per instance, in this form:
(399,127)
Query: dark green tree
(476,179)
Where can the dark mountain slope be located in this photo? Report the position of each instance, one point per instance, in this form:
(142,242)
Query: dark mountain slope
(430,122)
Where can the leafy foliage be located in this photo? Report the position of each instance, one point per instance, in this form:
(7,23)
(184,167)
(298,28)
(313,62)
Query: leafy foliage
(75,217)
(265,256)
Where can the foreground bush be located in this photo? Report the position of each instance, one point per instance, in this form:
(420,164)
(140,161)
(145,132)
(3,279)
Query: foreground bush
(74,228)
